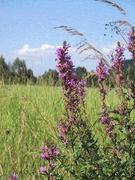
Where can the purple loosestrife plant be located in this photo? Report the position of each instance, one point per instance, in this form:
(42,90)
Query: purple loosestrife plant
(118,64)
(131,48)
(118,61)
(123,109)
(80,156)
(73,89)
(131,45)
(74,131)
(102,73)
(69,128)
(49,155)
(118,120)
(122,114)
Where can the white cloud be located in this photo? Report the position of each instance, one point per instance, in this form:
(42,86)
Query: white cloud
(108,50)
(26,50)
(43,57)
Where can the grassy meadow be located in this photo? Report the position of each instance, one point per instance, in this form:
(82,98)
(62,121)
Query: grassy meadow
(28,117)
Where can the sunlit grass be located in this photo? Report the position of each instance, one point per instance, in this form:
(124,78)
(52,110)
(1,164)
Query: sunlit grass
(29,116)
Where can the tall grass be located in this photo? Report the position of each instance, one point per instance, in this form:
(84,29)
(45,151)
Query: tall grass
(28,117)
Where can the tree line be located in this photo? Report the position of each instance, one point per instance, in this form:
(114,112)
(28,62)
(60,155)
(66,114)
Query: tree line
(19,73)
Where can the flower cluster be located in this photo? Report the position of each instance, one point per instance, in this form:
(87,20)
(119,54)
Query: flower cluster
(131,45)
(73,89)
(118,63)
(105,120)
(63,130)
(102,73)
(67,74)
(13,177)
(49,154)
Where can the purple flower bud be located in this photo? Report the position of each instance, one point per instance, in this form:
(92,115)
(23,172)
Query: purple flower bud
(44,148)
(63,129)
(53,151)
(109,129)
(45,156)
(43,170)
(51,178)
(52,164)
(105,119)
(13,177)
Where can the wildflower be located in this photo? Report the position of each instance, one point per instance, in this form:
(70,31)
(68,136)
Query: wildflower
(45,156)
(44,148)
(105,119)
(13,177)
(53,151)
(64,64)
(43,170)
(51,178)
(109,130)
(101,72)
(131,45)
(48,154)
(118,63)
(63,129)
(81,89)
(73,89)
(52,165)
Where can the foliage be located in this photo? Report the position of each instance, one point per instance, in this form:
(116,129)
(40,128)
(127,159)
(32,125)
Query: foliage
(73,148)
(16,73)
(83,158)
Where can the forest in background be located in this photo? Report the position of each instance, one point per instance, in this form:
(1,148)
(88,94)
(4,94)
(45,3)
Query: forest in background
(19,73)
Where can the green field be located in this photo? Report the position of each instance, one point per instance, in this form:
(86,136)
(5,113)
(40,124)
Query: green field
(28,117)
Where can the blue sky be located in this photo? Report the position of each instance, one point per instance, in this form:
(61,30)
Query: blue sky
(26,28)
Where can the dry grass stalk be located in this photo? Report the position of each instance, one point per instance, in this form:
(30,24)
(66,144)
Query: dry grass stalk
(113,4)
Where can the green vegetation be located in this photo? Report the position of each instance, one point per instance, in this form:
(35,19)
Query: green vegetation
(19,73)
(29,115)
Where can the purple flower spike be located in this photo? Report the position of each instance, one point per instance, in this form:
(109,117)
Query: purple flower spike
(101,72)
(49,154)
(73,89)
(131,45)
(118,63)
